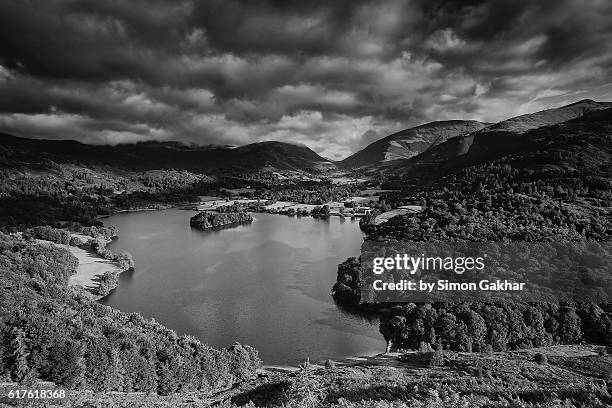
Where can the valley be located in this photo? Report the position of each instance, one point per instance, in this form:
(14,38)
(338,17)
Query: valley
(534,178)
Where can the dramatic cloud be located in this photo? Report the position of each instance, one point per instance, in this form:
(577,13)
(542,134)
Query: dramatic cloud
(332,75)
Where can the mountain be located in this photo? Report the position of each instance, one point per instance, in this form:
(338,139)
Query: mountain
(524,123)
(22,152)
(410,142)
(513,137)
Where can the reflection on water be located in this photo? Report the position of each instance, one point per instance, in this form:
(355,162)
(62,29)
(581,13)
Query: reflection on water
(266,284)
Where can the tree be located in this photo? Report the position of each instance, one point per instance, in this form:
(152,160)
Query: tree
(306,388)
(114,374)
(569,325)
(166,383)
(392,329)
(68,364)
(541,358)
(125,260)
(18,356)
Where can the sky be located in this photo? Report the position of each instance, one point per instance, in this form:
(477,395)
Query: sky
(333,75)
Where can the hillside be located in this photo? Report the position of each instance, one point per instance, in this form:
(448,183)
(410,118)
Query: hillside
(50,182)
(22,152)
(410,142)
(550,184)
(496,141)
(524,123)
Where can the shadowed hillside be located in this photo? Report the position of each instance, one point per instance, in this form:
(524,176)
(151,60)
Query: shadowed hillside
(410,142)
(490,144)
(21,152)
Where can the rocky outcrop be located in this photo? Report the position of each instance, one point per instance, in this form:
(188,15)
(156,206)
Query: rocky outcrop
(213,220)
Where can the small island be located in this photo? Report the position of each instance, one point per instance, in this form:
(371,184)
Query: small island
(213,220)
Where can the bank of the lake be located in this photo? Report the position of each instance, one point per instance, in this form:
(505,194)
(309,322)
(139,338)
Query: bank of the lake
(266,284)
(91,268)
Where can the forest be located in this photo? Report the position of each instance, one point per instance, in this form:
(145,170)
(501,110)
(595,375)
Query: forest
(558,189)
(213,220)
(51,332)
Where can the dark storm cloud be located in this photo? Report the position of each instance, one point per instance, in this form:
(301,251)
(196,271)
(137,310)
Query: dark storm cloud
(332,75)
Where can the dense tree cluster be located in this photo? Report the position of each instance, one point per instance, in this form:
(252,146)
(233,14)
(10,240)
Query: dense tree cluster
(19,212)
(106,283)
(101,232)
(59,194)
(495,201)
(51,332)
(214,220)
(47,233)
(347,289)
(320,211)
(308,193)
(503,326)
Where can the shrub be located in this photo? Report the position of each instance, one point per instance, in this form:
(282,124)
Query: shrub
(76,242)
(125,260)
(488,350)
(330,365)
(306,388)
(243,360)
(425,347)
(541,358)
(435,358)
(48,233)
(106,283)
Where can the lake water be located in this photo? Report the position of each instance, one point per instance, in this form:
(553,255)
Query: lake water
(266,284)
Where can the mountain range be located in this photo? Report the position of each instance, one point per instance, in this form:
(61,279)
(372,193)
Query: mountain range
(446,139)
(422,151)
(520,134)
(23,152)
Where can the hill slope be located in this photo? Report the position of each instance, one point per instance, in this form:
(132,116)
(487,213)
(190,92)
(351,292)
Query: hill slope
(22,152)
(524,123)
(493,142)
(410,142)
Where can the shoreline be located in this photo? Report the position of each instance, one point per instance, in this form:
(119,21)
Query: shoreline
(163,207)
(91,267)
(391,359)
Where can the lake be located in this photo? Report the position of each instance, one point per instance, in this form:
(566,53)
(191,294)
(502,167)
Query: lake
(266,284)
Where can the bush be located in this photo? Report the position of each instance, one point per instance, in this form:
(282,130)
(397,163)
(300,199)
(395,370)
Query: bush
(488,350)
(330,365)
(425,347)
(76,242)
(541,358)
(125,260)
(106,283)
(48,233)
(435,358)
(306,388)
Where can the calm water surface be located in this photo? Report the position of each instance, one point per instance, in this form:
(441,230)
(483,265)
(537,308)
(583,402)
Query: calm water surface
(266,284)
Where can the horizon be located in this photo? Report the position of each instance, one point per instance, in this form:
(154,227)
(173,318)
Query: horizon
(334,77)
(193,144)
